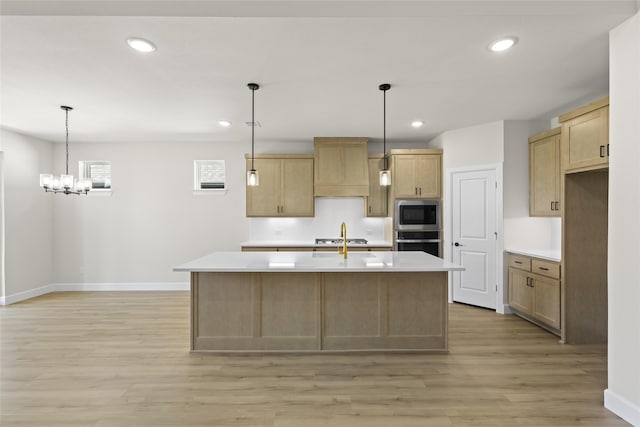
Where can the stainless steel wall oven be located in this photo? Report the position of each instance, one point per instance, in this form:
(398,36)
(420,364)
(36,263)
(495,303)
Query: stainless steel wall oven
(417,226)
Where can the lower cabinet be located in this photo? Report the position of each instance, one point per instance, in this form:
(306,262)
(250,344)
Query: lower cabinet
(534,290)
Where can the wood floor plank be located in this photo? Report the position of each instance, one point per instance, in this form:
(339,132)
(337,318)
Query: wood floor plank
(112,359)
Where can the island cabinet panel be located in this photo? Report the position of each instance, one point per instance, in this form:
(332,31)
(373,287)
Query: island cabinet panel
(351,305)
(305,311)
(256,311)
(410,305)
(390,311)
(289,305)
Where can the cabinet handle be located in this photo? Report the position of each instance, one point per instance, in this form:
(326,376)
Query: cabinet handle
(517,262)
(528,278)
(602,151)
(420,191)
(543,268)
(369,209)
(607,150)
(557,206)
(531,282)
(552,206)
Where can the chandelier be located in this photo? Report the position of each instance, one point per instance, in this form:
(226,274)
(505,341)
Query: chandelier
(64,183)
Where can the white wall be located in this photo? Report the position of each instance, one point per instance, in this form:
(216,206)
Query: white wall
(521,230)
(471,146)
(152,221)
(28,235)
(623,393)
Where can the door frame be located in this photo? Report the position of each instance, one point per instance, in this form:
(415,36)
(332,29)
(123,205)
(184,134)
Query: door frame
(502,305)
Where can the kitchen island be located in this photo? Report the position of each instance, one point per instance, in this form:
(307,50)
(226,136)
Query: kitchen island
(318,302)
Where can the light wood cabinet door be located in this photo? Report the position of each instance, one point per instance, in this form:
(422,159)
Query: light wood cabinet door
(376,202)
(544,174)
(428,181)
(417,176)
(520,296)
(297,187)
(534,290)
(546,300)
(341,167)
(286,188)
(264,200)
(585,141)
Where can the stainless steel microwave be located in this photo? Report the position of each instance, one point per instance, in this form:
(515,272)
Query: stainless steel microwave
(417,215)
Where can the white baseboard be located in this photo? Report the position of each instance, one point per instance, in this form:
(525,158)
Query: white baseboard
(506,309)
(93,287)
(31,293)
(622,407)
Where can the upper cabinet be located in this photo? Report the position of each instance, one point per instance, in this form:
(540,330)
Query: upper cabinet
(585,137)
(286,186)
(376,202)
(544,173)
(416,173)
(341,167)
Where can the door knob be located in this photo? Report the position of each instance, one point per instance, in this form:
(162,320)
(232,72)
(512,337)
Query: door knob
(457,244)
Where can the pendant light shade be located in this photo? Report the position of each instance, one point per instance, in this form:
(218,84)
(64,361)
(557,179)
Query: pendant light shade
(65,183)
(385,173)
(253,179)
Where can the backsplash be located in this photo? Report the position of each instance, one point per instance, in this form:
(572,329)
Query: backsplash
(329,214)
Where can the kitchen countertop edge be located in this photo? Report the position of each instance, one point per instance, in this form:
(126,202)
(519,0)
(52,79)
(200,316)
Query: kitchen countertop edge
(546,254)
(307,262)
(307,244)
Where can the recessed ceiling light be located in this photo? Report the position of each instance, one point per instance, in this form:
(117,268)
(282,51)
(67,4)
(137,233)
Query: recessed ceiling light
(141,45)
(224,123)
(502,44)
(417,123)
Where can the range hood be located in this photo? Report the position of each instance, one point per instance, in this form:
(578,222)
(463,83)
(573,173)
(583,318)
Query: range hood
(341,167)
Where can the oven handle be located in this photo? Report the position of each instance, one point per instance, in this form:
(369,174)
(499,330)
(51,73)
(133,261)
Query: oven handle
(417,241)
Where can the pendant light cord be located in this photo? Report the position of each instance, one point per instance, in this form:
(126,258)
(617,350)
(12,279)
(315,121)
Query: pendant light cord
(253,122)
(384,128)
(66,125)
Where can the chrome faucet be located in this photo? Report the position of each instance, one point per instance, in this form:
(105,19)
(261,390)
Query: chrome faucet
(343,234)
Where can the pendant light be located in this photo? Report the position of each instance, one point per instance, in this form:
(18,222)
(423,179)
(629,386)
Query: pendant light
(253,179)
(385,174)
(65,182)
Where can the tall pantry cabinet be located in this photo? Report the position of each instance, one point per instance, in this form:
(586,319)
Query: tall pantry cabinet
(585,162)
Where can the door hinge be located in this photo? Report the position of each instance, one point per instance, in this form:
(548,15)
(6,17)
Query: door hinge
(496,184)
(496,233)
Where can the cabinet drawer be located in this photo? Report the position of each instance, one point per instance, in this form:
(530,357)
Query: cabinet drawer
(520,262)
(545,268)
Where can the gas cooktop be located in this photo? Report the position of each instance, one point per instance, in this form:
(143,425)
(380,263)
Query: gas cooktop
(340,241)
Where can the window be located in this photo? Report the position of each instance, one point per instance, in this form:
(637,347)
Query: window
(99,172)
(208,175)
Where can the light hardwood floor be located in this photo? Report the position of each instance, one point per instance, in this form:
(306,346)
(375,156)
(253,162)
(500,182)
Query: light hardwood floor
(121,359)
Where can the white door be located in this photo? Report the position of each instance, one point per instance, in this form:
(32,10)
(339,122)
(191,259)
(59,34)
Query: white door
(473,211)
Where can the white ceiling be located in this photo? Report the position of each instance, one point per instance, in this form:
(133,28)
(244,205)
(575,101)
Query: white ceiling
(319,64)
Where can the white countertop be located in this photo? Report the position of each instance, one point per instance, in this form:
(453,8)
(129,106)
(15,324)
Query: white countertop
(318,262)
(547,254)
(311,244)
